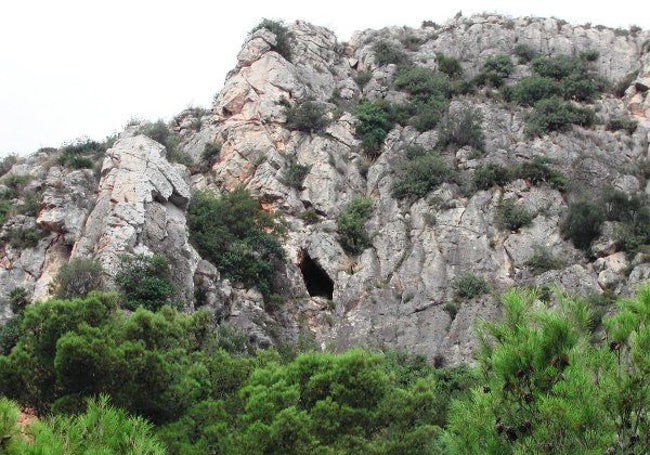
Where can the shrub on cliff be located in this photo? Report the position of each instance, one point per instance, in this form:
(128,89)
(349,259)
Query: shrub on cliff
(309,116)
(282,36)
(236,235)
(145,281)
(77,278)
(351,225)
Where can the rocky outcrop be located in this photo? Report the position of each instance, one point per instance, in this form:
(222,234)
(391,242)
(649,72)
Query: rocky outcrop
(399,292)
(140,208)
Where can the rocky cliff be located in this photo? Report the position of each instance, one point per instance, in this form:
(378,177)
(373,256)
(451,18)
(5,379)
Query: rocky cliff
(401,291)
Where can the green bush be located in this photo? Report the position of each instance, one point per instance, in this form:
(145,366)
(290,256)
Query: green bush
(623,84)
(511,216)
(230,231)
(144,281)
(161,133)
(530,90)
(5,209)
(489,175)
(449,65)
(7,163)
(362,78)
(308,116)
(387,53)
(495,70)
(294,175)
(589,55)
(553,114)
(421,174)
(282,36)
(543,261)
(622,123)
(558,67)
(537,171)
(524,53)
(77,278)
(210,154)
(351,225)
(427,115)
(462,128)
(423,83)
(582,223)
(468,286)
(26,238)
(375,121)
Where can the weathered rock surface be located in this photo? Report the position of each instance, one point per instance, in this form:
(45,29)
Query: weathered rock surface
(400,291)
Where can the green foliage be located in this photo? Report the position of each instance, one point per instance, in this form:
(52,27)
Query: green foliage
(5,210)
(160,132)
(24,238)
(101,429)
(423,83)
(387,53)
(210,155)
(511,216)
(491,174)
(309,116)
(553,114)
(462,128)
(530,90)
(77,278)
(622,123)
(18,299)
(549,389)
(469,286)
(82,154)
(449,65)
(577,80)
(282,36)
(632,212)
(543,261)
(350,225)
(375,121)
(144,281)
(7,163)
(294,175)
(537,171)
(537,396)
(495,70)
(582,223)
(362,78)
(524,53)
(231,232)
(624,83)
(589,55)
(420,174)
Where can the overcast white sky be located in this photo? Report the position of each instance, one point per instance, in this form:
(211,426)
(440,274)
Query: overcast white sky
(73,68)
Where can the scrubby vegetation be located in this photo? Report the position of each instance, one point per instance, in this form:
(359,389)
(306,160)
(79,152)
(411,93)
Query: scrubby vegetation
(422,172)
(387,53)
(351,225)
(512,216)
(144,281)
(462,128)
(295,174)
(235,234)
(77,278)
(468,286)
(543,384)
(282,36)
(309,116)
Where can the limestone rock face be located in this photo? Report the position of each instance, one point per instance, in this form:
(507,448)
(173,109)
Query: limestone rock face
(401,290)
(140,208)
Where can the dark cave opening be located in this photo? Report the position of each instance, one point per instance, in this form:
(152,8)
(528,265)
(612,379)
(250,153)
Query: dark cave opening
(318,282)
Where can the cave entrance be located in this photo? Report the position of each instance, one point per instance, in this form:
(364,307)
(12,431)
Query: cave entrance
(318,282)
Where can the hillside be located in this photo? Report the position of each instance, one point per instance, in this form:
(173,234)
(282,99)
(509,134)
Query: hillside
(412,175)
